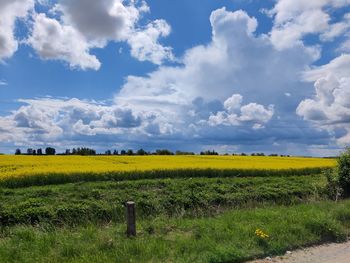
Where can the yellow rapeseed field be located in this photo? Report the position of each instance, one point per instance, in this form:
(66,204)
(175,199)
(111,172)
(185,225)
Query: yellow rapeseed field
(21,165)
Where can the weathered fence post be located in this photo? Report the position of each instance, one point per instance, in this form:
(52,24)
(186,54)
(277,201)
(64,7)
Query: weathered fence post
(130,219)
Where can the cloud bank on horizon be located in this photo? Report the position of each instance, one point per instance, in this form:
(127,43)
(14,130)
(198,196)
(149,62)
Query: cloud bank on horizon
(244,90)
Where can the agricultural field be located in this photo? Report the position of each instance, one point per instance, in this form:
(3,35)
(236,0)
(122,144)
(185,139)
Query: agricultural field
(232,208)
(32,170)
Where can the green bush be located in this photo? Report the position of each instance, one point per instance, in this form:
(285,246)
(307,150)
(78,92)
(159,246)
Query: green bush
(344,171)
(333,189)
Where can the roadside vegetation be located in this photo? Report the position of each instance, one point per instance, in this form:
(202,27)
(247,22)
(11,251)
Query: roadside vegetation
(228,237)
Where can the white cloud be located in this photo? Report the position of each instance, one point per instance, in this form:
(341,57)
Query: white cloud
(233,103)
(81,25)
(52,120)
(345,46)
(55,41)
(10,11)
(234,62)
(330,106)
(336,29)
(294,19)
(255,114)
(145,46)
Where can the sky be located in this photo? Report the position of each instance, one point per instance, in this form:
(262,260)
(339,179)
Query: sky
(236,76)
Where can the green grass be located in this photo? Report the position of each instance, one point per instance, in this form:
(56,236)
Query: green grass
(101,202)
(228,237)
(183,216)
(62,178)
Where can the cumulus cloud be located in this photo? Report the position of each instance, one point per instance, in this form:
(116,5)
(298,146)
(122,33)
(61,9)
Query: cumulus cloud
(235,114)
(52,40)
(51,120)
(145,45)
(294,19)
(196,97)
(79,26)
(233,103)
(10,11)
(234,62)
(71,29)
(330,106)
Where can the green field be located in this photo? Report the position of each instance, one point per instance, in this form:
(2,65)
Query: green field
(104,201)
(191,215)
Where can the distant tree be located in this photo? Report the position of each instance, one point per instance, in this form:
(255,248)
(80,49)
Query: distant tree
(209,153)
(67,152)
(243,154)
(84,151)
(141,152)
(122,152)
(164,152)
(34,152)
(130,152)
(39,151)
(74,151)
(184,153)
(50,151)
(18,152)
(115,152)
(108,152)
(29,151)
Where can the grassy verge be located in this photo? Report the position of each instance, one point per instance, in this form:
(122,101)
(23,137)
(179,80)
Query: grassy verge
(16,181)
(101,202)
(228,237)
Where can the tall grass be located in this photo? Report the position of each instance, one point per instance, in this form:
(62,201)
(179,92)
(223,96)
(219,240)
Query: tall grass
(79,203)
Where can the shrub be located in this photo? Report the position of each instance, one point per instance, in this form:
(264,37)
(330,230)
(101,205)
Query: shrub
(333,189)
(344,171)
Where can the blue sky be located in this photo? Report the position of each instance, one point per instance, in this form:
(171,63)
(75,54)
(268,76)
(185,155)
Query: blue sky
(235,76)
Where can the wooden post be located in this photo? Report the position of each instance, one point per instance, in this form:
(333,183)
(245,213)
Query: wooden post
(130,219)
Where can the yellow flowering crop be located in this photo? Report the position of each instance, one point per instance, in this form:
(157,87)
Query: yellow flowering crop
(22,165)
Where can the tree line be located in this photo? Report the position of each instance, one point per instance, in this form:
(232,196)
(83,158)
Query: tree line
(89,151)
(31,151)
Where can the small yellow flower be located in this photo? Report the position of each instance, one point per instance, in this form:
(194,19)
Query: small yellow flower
(261,234)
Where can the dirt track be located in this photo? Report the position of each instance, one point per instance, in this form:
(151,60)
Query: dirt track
(330,253)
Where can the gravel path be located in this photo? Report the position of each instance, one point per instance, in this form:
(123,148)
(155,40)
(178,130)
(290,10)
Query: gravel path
(330,253)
